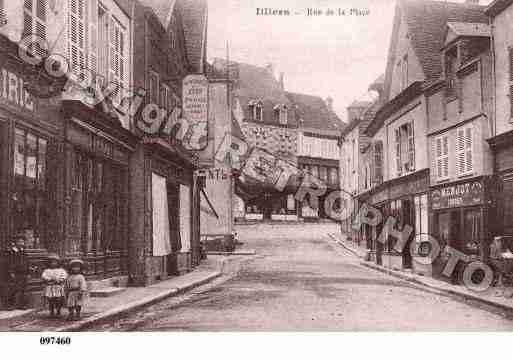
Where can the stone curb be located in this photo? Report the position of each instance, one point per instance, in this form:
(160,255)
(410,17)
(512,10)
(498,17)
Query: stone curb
(344,245)
(135,305)
(236,253)
(459,293)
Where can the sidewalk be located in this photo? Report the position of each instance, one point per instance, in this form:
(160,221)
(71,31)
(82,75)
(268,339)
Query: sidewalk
(488,297)
(132,298)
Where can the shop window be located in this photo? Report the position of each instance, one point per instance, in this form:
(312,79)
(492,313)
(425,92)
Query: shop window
(442,157)
(421,219)
(464,151)
(31,200)
(333,175)
(323,173)
(153,87)
(99,205)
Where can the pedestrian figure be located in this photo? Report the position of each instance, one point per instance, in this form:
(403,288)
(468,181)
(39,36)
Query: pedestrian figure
(18,272)
(76,289)
(54,277)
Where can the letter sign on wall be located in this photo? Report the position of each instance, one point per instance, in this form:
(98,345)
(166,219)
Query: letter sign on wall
(195,111)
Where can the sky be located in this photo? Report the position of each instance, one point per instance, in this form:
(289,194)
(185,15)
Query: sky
(337,56)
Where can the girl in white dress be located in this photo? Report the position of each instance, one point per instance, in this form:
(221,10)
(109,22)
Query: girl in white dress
(54,277)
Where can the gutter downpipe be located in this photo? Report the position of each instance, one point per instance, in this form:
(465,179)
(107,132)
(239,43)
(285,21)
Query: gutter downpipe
(494,81)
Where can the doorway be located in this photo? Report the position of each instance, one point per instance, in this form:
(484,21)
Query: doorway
(407,219)
(173,200)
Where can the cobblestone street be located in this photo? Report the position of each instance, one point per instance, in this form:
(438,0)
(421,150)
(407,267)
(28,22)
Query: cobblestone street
(301,280)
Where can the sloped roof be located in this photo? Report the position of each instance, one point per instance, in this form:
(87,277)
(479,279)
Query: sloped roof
(427,21)
(162,9)
(194,19)
(497,6)
(314,113)
(470,29)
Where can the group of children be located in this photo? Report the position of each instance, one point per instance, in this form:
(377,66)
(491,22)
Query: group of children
(63,289)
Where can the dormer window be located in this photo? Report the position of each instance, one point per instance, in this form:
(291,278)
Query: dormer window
(256,110)
(281,114)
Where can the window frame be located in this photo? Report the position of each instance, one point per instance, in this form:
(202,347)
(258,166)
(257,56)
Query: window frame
(442,157)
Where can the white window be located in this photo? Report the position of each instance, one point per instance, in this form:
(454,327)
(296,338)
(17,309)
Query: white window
(405,149)
(464,151)
(34,24)
(442,157)
(153,87)
(165,97)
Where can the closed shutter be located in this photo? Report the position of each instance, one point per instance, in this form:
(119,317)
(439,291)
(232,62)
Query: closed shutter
(411,148)
(77,37)
(460,146)
(445,156)
(117,54)
(34,24)
(93,36)
(468,150)
(510,57)
(398,151)
(439,159)
(3,15)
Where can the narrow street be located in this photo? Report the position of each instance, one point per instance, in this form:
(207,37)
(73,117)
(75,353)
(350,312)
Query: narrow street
(301,280)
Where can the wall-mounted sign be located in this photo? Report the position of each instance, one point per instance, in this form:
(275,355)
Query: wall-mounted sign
(13,90)
(195,110)
(458,195)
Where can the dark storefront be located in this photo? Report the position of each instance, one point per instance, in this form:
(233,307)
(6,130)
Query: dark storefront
(97,151)
(30,164)
(459,213)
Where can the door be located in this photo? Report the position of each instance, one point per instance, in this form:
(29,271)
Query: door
(407,219)
(173,200)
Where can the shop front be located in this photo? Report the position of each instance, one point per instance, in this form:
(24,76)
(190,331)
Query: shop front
(407,203)
(30,168)
(459,213)
(97,151)
(164,212)
(379,200)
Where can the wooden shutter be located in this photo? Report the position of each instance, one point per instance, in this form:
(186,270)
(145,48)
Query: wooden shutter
(411,147)
(510,57)
(398,151)
(34,23)
(439,159)
(468,150)
(93,36)
(3,15)
(77,36)
(445,156)
(461,155)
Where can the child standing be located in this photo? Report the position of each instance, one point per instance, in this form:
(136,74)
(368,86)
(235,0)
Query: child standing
(76,288)
(54,277)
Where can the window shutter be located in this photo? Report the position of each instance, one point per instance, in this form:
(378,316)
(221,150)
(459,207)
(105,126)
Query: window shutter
(398,151)
(93,36)
(511,100)
(445,159)
(439,158)
(510,57)
(34,23)
(76,37)
(461,156)
(468,150)
(3,15)
(411,147)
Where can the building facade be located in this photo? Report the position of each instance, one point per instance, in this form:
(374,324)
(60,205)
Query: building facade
(70,152)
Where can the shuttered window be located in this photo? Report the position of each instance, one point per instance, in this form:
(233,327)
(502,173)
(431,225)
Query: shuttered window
(464,151)
(510,57)
(117,54)
(442,157)
(378,162)
(34,25)
(3,15)
(398,151)
(411,148)
(77,37)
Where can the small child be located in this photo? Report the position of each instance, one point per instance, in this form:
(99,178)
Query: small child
(54,277)
(76,289)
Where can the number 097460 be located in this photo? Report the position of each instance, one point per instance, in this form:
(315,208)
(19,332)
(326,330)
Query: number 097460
(55,340)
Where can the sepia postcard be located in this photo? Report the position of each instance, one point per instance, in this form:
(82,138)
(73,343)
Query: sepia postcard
(255,166)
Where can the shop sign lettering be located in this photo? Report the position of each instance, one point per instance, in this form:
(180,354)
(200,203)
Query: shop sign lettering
(13,90)
(463,194)
(195,106)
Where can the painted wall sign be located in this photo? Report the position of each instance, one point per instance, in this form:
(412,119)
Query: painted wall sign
(458,195)
(195,108)
(13,90)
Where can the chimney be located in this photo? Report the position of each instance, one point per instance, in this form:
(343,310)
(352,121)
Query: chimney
(329,102)
(282,85)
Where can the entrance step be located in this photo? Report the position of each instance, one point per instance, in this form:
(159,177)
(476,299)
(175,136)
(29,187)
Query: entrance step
(106,292)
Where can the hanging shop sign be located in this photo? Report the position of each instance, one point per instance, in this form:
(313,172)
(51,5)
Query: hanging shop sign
(195,109)
(458,195)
